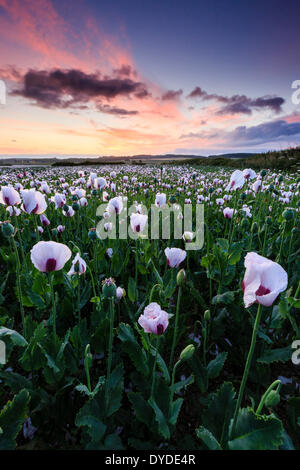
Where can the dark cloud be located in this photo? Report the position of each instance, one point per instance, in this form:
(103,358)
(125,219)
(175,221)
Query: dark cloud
(125,70)
(69,88)
(105,108)
(171,95)
(239,104)
(266,132)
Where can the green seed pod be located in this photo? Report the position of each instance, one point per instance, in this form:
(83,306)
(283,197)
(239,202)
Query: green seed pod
(207,315)
(280,179)
(94,192)
(272,399)
(288,214)
(54,231)
(243,196)
(65,207)
(263,173)
(8,230)
(92,234)
(75,206)
(75,197)
(269,220)
(173,199)
(181,277)
(211,190)
(187,353)
(109,288)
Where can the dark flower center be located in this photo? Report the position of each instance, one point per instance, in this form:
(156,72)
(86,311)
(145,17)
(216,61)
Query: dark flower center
(137,228)
(6,199)
(50,265)
(160,329)
(262,290)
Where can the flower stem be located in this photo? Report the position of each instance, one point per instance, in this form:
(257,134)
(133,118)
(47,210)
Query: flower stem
(176,327)
(112,314)
(172,384)
(53,307)
(18,278)
(247,367)
(154,367)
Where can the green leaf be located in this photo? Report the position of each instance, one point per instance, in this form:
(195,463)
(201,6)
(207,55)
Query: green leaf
(175,410)
(215,366)
(209,440)
(160,418)
(142,409)
(133,349)
(89,416)
(219,413)
(235,253)
(15,337)
(276,355)
(199,372)
(255,432)
(131,290)
(161,364)
(183,383)
(12,416)
(116,385)
(226,298)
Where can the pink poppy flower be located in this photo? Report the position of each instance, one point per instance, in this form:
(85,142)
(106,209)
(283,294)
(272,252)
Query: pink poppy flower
(49,256)
(9,196)
(33,201)
(138,222)
(175,256)
(154,319)
(263,281)
(78,266)
(237,180)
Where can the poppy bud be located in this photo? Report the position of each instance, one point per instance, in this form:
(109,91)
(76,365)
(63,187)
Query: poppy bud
(263,173)
(109,288)
(173,199)
(272,399)
(92,234)
(269,220)
(207,315)
(181,277)
(75,206)
(187,353)
(288,214)
(8,230)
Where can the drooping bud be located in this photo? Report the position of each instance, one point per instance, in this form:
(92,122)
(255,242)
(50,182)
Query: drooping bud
(7,230)
(272,399)
(187,353)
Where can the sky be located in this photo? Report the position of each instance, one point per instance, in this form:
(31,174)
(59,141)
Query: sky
(128,77)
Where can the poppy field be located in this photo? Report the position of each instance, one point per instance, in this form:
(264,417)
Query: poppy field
(111,341)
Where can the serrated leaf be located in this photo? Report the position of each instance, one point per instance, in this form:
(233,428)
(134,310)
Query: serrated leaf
(207,437)
(175,410)
(12,416)
(255,432)
(143,410)
(133,349)
(216,365)
(227,298)
(15,337)
(276,355)
(163,427)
